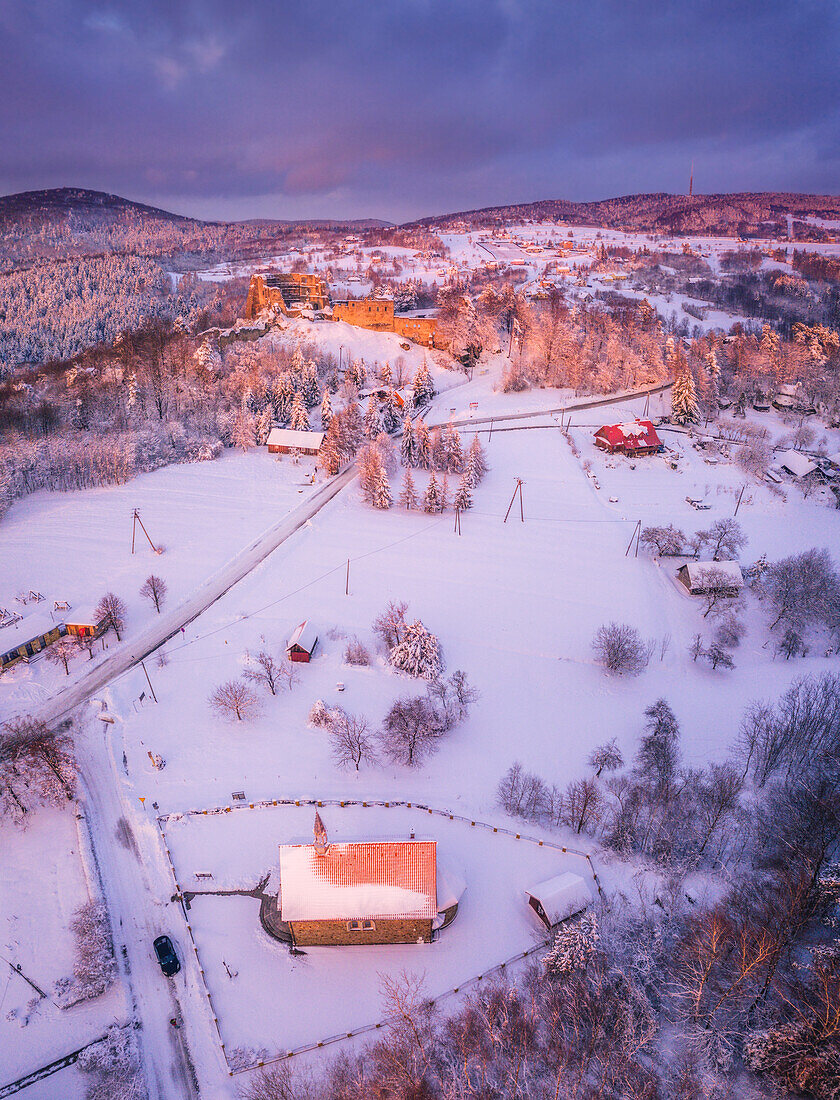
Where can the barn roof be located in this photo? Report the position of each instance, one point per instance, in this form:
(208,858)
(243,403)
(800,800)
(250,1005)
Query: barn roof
(386,880)
(727,570)
(304,635)
(634,435)
(82,616)
(796,463)
(561,896)
(290,437)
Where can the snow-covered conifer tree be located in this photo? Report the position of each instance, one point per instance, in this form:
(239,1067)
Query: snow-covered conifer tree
(417,652)
(444,492)
(299,417)
(387,375)
(408,450)
(438,451)
(423,446)
(574,944)
(431,498)
(380,490)
(476,466)
(463,496)
(373,421)
(390,414)
(684,403)
(453,449)
(423,389)
(309,387)
(408,494)
(326,411)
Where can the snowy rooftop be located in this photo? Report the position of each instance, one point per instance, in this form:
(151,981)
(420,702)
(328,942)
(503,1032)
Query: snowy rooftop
(795,463)
(304,635)
(388,880)
(31,626)
(561,896)
(290,437)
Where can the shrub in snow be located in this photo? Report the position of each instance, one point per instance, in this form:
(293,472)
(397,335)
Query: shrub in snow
(319,714)
(717,656)
(94,967)
(417,652)
(114,1067)
(621,650)
(356,653)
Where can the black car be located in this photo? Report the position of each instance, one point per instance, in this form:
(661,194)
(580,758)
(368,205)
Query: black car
(166,956)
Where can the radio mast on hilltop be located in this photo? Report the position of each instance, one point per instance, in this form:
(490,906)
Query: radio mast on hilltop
(691,182)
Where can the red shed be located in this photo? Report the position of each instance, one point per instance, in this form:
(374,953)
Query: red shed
(301,645)
(638,437)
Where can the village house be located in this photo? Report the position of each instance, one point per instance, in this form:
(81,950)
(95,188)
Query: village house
(85,623)
(286,441)
(372,892)
(27,639)
(638,437)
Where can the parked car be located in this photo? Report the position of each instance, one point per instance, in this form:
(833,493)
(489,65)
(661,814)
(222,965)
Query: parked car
(166,956)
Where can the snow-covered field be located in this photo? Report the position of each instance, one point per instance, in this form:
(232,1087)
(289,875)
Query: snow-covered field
(74,547)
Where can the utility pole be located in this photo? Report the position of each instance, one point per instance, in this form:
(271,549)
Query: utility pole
(148,681)
(637,530)
(347,582)
(136,520)
(457,521)
(740,497)
(518,489)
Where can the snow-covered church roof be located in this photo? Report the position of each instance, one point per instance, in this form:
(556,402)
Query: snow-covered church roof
(385,880)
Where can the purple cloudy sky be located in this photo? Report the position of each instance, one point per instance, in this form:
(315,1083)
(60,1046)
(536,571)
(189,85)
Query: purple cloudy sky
(400,108)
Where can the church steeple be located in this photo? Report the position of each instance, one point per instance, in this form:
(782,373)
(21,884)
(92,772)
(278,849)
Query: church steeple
(321,840)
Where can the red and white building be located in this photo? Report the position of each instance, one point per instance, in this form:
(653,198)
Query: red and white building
(637,437)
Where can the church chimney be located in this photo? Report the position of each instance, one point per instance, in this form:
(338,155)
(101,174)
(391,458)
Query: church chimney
(321,842)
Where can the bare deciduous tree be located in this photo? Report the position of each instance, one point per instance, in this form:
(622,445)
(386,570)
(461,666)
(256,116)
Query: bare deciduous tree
(351,740)
(112,608)
(154,589)
(62,651)
(411,730)
(606,757)
(234,701)
(265,671)
(582,805)
(356,653)
(390,624)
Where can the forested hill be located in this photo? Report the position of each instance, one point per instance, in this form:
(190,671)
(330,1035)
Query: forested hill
(745,213)
(94,209)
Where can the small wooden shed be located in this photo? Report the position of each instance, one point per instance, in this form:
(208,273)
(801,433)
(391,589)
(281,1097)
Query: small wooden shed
(301,644)
(559,898)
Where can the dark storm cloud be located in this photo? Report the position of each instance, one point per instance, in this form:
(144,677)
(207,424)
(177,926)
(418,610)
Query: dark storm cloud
(404,107)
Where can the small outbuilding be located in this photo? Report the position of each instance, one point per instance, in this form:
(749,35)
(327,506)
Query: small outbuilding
(559,898)
(285,440)
(637,437)
(27,639)
(700,577)
(301,644)
(85,623)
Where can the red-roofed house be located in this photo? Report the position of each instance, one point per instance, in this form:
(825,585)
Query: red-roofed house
(638,437)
